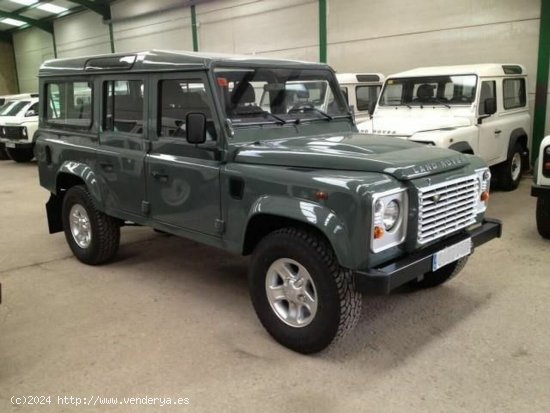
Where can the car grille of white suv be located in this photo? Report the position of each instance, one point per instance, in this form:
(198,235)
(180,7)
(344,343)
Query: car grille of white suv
(446,207)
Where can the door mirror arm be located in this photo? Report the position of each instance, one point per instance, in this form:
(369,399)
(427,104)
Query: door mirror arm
(481,117)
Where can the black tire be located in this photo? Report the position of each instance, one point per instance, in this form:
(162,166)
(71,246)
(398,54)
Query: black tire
(3,154)
(442,275)
(105,230)
(506,170)
(338,304)
(20,155)
(543,217)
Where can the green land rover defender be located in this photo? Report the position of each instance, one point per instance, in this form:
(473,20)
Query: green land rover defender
(239,153)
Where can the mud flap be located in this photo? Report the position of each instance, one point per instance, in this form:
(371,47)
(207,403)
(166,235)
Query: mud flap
(53,211)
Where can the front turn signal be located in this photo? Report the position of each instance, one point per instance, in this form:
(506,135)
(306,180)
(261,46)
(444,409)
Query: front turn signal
(485,196)
(378,232)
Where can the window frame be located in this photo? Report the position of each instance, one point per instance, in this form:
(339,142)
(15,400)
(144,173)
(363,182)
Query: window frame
(357,87)
(45,105)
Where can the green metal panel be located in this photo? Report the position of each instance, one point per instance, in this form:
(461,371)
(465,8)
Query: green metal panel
(543,67)
(54,45)
(111,38)
(323,31)
(194,29)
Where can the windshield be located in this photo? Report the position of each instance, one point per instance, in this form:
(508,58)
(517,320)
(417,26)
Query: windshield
(429,91)
(256,96)
(12,108)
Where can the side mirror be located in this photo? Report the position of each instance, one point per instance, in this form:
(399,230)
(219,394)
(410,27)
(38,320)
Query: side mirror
(30,113)
(195,126)
(490,106)
(371,107)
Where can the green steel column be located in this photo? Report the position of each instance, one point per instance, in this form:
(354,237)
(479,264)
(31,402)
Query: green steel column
(543,66)
(194,28)
(15,67)
(323,31)
(111,37)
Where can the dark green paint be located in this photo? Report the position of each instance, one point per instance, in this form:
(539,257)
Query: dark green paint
(323,31)
(54,44)
(194,29)
(543,67)
(40,24)
(111,38)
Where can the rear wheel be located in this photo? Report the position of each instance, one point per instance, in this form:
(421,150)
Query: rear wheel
(92,236)
(302,296)
(543,217)
(509,172)
(442,275)
(20,155)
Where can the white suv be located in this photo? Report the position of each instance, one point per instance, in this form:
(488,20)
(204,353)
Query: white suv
(479,109)
(18,122)
(541,188)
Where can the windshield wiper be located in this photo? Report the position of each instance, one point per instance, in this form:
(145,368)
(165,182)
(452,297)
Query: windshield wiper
(265,113)
(438,100)
(310,108)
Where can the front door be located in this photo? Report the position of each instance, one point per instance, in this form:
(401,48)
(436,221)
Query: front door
(121,151)
(183,180)
(490,134)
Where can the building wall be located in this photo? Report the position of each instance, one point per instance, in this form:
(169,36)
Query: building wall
(8,77)
(385,36)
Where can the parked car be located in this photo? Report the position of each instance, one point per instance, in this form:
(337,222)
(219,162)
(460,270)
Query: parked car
(478,109)
(541,188)
(178,141)
(18,122)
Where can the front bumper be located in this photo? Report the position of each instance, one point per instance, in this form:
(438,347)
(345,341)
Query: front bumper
(7,143)
(384,279)
(540,191)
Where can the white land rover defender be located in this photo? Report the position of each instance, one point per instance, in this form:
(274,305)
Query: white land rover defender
(541,188)
(18,122)
(478,109)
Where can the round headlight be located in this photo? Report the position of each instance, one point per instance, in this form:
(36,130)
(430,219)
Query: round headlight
(391,215)
(548,150)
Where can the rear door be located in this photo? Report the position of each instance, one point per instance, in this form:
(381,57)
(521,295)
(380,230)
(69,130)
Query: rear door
(123,131)
(183,180)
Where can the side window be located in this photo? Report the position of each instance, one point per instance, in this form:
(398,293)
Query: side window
(33,108)
(69,104)
(346,94)
(177,98)
(514,93)
(123,106)
(366,95)
(488,91)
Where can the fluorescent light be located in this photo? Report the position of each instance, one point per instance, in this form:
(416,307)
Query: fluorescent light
(25,2)
(12,22)
(52,8)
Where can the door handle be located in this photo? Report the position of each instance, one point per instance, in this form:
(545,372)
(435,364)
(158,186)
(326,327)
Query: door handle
(160,176)
(497,131)
(107,167)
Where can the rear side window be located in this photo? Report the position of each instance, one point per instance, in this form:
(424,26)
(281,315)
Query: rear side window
(514,93)
(366,95)
(69,104)
(123,106)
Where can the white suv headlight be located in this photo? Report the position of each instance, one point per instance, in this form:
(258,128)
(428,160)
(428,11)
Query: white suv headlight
(389,219)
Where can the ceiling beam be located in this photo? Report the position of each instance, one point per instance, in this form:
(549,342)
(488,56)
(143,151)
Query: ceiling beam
(40,24)
(100,7)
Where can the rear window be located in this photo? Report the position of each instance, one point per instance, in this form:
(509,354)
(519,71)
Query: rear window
(69,104)
(514,93)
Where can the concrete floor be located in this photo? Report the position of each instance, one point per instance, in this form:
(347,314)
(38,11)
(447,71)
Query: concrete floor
(171,318)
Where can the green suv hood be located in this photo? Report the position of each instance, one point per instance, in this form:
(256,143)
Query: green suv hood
(353,152)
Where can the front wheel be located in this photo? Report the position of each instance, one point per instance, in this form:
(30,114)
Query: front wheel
(442,275)
(20,155)
(543,217)
(92,236)
(302,296)
(509,172)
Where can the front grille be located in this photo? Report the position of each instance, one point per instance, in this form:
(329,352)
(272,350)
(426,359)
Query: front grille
(12,132)
(446,207)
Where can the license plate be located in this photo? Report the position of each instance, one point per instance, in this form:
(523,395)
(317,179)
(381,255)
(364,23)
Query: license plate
(451,254)
(10,145)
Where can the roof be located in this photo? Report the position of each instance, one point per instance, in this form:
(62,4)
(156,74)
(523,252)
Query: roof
(484,69)
(156,60)
(344,78)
